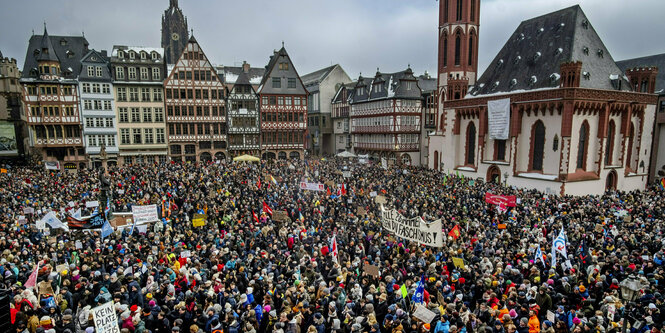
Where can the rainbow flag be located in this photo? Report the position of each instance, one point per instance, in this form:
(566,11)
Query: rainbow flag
(272,179)
(662,183)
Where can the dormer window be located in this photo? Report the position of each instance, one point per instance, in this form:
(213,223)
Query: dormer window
(132,55)
(377,88)
(121,55)
(155,56)
(45,50)
(63,42)
(144,56)
(360,91)
(408,85)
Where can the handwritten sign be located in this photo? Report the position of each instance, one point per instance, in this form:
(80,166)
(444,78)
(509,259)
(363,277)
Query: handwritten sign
(380,199)
(105,318)
(280,216)
(145,214)
(423,314)
(372,270)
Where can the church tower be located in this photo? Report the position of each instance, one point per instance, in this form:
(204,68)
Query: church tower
(174,32)
(459,21)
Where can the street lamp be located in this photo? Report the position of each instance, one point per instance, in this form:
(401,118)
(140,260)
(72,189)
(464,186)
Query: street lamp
(629,292)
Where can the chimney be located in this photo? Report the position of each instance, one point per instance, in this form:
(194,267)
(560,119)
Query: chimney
(245,67)
(104,54)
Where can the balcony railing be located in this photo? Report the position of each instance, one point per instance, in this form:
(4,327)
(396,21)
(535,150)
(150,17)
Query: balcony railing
(386,146)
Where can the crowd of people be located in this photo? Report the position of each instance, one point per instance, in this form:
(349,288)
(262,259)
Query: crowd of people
(243,271)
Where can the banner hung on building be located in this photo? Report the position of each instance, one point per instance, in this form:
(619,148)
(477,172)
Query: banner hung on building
(414,229)
(498,119)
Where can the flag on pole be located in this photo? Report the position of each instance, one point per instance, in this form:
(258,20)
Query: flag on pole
(302,218)
(333,246)
(255,216)
(539,256)
(560,244)
(272,179)
(32,280)
(343,191)
(267,208)
(258,183)
(106,229)
(108,207)
(403,290)
(454,232)
(662,183)
(418,296)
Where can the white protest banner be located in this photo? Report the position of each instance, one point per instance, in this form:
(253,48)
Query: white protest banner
(105,318)
(144,214)
(415,229)
(373,194)
(41,224)
(28,210)
(423,314)
(550,316)
(90,204)
(346,174)
(312,186)
(53,221)
(185,254)
(52,165)
(142,229)
(384,163)
(498,116)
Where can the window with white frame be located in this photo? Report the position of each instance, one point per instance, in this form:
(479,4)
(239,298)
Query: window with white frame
(162,159)
(109,122)
(97,105)
(134,94)
(91,70)
(101,139)
(119,73)
(86,87)
(145,94)
(136,115)
(111,140)
(159,115)
(157,94)
(87,104)
(144,55)
(136,135)
(155,73)
(132,55)
(122,94)
(121,54)
(124,115)
(96,88)
(154,55)
(148,136)
(107,105)
(124,136)
(89,122)
(160,135)
(98,70)
(147,115)
(106,88)
(99,122)
(144,73)
(132,73)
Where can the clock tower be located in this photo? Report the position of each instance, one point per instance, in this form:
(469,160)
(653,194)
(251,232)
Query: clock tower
(174,32)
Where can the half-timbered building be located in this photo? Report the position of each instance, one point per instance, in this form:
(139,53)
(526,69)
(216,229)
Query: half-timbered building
(51,99)
(283,109)
(243,118)
(195,108)
(340,117)
(386,114)
(552,111)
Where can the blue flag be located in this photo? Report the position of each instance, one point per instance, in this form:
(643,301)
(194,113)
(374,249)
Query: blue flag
(106,229)
(419,295)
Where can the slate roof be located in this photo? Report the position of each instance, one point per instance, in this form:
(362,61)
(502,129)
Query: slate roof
(339,97)
(291,72)
(657,60)
(531,58)
(68,51)
(317,76)
(393,86)
(232,74)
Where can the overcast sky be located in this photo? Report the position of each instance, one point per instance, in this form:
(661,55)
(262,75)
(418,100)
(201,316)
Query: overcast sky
(361,35)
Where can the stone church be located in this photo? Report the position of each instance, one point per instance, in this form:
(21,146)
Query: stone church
(552,111)
(174,32)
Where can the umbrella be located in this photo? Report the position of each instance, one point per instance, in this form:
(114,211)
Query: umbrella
(246,158)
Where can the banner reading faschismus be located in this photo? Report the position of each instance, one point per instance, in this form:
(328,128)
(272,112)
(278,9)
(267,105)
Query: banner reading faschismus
(415,229)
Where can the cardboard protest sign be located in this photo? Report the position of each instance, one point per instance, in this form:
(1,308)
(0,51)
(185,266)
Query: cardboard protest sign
(459,262)
(372,270)
(380,199)
(423,314)
(105,318)
(361,211)
(415,229)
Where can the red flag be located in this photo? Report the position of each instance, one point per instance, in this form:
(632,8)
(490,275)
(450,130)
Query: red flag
(32,280)
(343,190)
(454,232)
(255,217)
(258,183)
(267,208)
(328,191)
(334,248)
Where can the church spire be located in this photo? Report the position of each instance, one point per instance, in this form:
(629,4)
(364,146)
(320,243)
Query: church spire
(173,3)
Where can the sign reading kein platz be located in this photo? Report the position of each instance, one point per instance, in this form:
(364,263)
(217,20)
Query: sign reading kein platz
(105,318)
(415,229)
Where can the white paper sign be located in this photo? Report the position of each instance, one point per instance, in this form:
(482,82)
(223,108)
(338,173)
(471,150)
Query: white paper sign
(142,229)
(144,214)
(105,318)
(346,174)
(372,194)
(415,229)
(41,224)
(312,186)
(498,116)
(90,204)
(424,314)
(78,244)
(550,316)
(185,254)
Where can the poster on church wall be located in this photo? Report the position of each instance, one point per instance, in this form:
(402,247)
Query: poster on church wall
(498,118)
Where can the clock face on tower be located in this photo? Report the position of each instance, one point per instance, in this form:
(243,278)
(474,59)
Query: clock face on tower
(175,36)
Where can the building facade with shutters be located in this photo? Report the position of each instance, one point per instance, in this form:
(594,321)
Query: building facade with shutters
(243,120)
(98,108)
(196,108)
(386,117)
(51,99)
(283,109)
(552,111)
(138,76)
(14,141)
